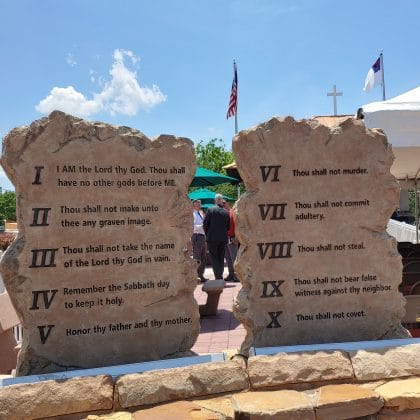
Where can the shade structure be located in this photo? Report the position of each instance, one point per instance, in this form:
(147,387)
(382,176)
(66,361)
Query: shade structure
(205,177)
(205,196)
(232,171)
(399,117)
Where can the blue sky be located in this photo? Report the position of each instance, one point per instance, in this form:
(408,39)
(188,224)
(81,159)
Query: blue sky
(166,66)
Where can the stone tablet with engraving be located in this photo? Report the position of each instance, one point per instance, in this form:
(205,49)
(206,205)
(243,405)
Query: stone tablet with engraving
(316,263)
(98,273)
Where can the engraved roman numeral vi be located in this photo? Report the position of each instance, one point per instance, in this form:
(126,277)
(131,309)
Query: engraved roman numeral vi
(267,170)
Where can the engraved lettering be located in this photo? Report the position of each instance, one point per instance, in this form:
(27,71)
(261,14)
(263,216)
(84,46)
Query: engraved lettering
(37,180)
(46,298)
(278,249)
(47,257)
(275,288)
(44,218)
(274,321)
(44,335)
(266,171)
(277,211)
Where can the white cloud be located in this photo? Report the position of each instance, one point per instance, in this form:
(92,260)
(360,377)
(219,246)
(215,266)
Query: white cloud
(70,59)
(122,94)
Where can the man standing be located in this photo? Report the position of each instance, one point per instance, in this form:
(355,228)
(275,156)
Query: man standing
(198,240)
(232,245)
(216,224)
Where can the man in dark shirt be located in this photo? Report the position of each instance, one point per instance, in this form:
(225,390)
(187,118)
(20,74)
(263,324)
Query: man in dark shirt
(216,224)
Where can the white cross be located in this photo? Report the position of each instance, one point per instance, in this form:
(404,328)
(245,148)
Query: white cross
(334,94)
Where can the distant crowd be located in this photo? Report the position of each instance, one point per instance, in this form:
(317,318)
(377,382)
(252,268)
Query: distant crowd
(214,231)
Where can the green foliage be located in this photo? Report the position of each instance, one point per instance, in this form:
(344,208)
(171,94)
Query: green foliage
(8,206)
(411,203)
(214,155)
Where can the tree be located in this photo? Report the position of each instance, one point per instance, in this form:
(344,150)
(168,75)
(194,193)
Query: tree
(412,205)
(8,206)
(214,155)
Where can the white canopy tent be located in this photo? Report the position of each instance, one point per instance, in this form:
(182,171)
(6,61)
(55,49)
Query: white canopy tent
(399,117)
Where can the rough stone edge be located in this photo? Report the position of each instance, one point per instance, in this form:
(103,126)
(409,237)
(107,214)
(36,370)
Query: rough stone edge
(302,387)
(321,354)
(384,371)
(67,399)
(170,373)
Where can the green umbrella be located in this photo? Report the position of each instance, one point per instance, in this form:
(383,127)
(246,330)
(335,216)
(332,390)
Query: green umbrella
(205,195)
(205,177)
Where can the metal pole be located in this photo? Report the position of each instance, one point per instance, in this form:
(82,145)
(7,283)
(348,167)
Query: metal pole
(235,73)
(381,56)
(416,210)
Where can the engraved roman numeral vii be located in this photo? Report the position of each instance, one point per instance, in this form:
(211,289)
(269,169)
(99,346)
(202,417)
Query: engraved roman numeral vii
(276,210)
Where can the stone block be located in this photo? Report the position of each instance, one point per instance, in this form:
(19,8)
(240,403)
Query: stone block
(8,316)
(403,394)
(390,362)
(276,405)
(159,386)
(55,398)
(284,368)
(180,410)
(8,351)
(220,405)
(336,402)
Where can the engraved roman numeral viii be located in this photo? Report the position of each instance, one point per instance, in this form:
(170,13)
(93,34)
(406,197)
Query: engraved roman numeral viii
(278,249)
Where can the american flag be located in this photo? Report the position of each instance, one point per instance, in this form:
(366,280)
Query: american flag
(233,102)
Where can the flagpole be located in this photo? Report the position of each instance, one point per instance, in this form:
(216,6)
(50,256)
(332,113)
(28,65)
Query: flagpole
(381,57)
(235,72)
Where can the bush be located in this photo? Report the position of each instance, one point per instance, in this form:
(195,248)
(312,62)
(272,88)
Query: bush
(6,239)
